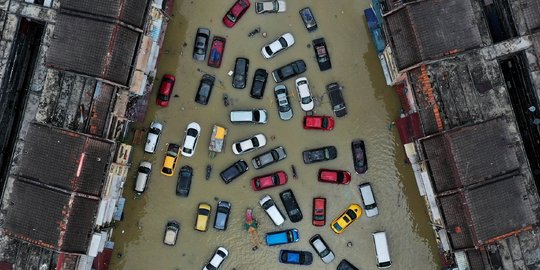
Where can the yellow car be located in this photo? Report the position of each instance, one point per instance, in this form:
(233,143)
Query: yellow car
(170,159)
(203,214)
(339,224)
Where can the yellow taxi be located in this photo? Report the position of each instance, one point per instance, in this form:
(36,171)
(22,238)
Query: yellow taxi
(203,214)
(339,224)
(170,159)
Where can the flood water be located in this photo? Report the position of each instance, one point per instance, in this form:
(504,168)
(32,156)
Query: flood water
(372,106)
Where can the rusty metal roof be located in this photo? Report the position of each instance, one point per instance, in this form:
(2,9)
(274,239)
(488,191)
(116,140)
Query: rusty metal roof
(531,13)
(129,11)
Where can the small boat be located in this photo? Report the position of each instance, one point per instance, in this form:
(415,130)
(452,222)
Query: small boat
(208,171)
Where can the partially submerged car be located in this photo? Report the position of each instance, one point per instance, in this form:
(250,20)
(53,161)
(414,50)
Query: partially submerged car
(183,185)
(269,206)
(304,94)
(217,259)
(143,175)
(291,205)
(169,162)
(152,138)
(259,83)
(249,116)
(282,97)
(222,215)
(322,55)
(336,99)
(319,154)
(172,228)
(295,257)
(241,68)
(235,170)
(322,249)
(203,215)
(270,180)
(283,42)
(282,237)
(288,71)
(216,51)
(192,133)
(272,6)
(346,265)
(269,157)
(334,176)
(165,90)
(320,122)
(202,38)
(205,89)
(340,223)
(308,19)
(249,144)
(359,156)
(319,212)
(368,199)
(236,12)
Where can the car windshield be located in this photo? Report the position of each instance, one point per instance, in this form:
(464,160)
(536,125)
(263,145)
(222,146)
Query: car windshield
(325,252)
(238,147)
(192,132)
(144,170)
(210,267)
(187,150)
(203,211)
(318,217)
(166,170)
(306,100)
(255,142)
(267,204)
(370,206)
(268,50)
(275,179)
(163,97)
(340,177)
(337,227)
(324,122)
(351,214)
(283,42)
(231,17)
(256,116)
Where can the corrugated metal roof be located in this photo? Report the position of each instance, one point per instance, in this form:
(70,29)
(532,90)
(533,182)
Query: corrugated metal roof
(128,11)
(531,12)
(456,222)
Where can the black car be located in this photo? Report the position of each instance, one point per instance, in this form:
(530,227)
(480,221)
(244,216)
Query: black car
(288,71)
(346,265)
(184,181)
(308,19)
(259,83)
(240,73)
(232,172)
(336,99)
(359,156)
(205,89)
(201,44)
(295,257)
(269,157)
(222,215)
(322,55)
(319,154)
(291,205)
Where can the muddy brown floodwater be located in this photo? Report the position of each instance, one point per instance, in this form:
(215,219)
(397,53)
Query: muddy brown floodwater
(372,107)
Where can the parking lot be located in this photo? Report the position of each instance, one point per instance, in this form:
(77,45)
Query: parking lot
(371,105)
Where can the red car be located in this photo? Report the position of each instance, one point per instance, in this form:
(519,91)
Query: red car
(235,13)
(165,90)
(319,212)
(319,122)
(334,176)
(267,181)
(216,51)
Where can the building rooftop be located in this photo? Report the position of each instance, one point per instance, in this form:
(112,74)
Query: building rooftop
(131,12)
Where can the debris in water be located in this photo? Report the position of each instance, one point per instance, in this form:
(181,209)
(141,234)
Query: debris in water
(295,176)
(349,244)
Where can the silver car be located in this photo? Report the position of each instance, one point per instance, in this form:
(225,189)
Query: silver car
(282,97)
(201,44)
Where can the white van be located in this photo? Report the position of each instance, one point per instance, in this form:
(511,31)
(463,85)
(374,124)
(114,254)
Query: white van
(381,250)
(142,176)
(368,198)
(249,116)
(153,137)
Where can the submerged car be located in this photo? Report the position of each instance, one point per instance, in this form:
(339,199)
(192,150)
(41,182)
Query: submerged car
(205,89)
(368,199)
(259,83)
(193,131)
(169,162)
(359,156)
(288,71)
(334,176)
(203,215)
(304,94)
(216,51)
(152,138)
(273,6)
(269,206)
(235,170)
(319,212)
(285,41)
(249,144)
(336,99)
(143,175)
(321,122)
(183,186)
(249,116)
(165,90)
(352,213)
(319,154)
(270,180)
(322,55)
(291,205)
(201,44)
(282,97)
(217,259)
(236,12)
(241,68)
(282,237)
(269,157)
(322,249)
(308,19)
(346,265)
(171,233)
(295,257)
(222,215)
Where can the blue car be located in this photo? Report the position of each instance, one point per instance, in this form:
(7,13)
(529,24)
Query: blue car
(282,237)
(295,257)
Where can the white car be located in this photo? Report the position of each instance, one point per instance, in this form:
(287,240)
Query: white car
(218,258)
(270,6)
(285,41)
(271,209)
(153,137)
(249,144)
(257,116)
(306,101)
(193,131)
